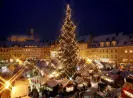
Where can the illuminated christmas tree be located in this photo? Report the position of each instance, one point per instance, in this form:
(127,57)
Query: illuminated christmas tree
(68,50)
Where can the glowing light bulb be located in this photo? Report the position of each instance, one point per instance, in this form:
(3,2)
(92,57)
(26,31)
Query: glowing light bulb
(7,84)
(70,78)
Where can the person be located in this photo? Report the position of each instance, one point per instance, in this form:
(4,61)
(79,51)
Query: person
(76,90)
(35,93)
(55,91)
(44,93)
(60,91)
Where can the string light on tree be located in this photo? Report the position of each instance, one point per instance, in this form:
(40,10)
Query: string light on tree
(68,50)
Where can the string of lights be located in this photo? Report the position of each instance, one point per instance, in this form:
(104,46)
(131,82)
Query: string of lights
(68,50)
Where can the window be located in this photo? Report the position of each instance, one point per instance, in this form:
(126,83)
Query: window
(113,43)
(131,51)
(107,44)
(126,51)
(101,44)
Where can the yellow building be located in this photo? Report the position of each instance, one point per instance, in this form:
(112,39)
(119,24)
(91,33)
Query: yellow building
(111,48)
(24,46)
(24,52)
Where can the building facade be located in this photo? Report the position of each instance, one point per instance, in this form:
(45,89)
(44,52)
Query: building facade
(112,48)
(24,52)
(24,47)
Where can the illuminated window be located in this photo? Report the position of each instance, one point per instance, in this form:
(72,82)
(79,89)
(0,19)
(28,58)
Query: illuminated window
(131,51)
(125,51)
(53,54)
(113,43)
(131,60)
(125,60)
(107,44)
(101,44)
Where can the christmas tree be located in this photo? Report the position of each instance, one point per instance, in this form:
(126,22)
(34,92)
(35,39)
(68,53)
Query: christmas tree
(68,50)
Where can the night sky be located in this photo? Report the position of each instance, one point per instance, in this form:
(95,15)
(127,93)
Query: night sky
(46,17)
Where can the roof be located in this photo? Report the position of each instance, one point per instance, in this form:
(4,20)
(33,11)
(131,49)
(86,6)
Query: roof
(84,38)
(23,44)
(121,39)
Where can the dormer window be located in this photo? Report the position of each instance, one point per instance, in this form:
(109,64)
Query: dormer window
(101,44)
(107,44)
(113,43)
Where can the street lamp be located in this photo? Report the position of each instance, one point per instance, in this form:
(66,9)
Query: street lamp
(14,89)
(19,61)
(78,68)
(11,60)
(89,60)
(70,78)
(7,84)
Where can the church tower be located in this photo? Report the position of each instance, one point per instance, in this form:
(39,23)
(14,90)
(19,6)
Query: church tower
(32,33)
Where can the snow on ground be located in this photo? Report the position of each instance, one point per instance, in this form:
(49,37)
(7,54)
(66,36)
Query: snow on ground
(20,89)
